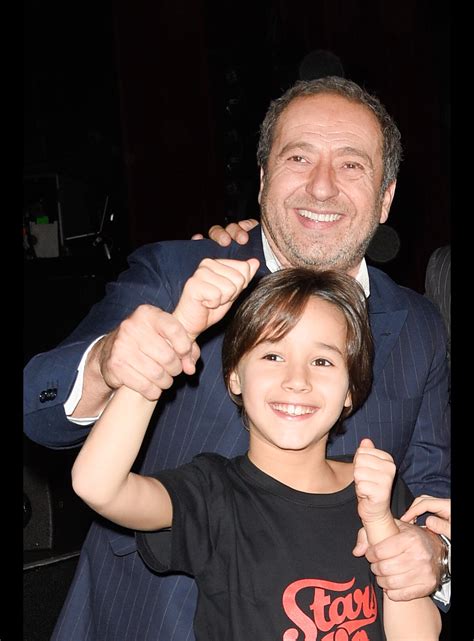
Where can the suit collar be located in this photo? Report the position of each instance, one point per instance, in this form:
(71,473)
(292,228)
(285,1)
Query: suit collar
(387,304)
(388,312)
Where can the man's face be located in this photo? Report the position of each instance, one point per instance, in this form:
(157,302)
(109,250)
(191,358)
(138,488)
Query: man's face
(320,194)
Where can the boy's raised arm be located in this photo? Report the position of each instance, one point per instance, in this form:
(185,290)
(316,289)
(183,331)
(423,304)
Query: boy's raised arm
(101,474)
(374,471)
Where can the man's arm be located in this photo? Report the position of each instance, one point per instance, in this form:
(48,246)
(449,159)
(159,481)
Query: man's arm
(132,355)
(102,474)
(410,564)
(374,472)
(155,276)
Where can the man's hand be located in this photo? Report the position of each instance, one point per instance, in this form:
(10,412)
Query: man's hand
(440,524)
(150,346)
(233,231)
(407,564)
(145,352)
(211,290)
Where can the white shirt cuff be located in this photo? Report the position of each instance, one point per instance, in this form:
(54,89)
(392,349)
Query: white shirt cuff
(443,594)
(76,392)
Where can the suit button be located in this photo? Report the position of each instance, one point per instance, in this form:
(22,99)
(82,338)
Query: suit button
(48,394)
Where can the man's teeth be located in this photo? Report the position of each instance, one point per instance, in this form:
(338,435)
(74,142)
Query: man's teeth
(320,218)
(293,410)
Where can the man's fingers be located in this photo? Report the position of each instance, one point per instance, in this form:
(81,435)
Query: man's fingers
(439,525)
(233,231)
(218,234)
(361,544)
(190,360)
(239,232)
(424,503)
(146,351)
(248,223)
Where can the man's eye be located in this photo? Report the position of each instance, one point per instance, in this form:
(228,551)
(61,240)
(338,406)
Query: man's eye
(273,357)
(353,165)
(298,159)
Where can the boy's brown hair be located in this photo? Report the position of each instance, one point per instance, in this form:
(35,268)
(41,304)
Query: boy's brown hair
(275,307)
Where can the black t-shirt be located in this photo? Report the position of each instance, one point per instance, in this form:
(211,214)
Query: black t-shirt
(271,563)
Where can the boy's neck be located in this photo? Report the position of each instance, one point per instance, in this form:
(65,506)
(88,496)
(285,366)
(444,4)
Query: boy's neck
(305,471)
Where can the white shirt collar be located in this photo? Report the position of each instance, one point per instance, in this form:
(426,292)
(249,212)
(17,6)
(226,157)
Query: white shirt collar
(273,265)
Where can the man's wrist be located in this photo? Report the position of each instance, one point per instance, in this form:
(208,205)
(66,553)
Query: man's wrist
(439,553)
(445,560)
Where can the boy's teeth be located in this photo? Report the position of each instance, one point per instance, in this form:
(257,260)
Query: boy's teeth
(294,410)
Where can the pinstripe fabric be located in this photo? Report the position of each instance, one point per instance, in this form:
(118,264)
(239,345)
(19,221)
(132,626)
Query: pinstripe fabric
(438,283)
(114,597)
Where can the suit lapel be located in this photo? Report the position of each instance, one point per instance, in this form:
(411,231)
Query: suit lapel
(386,327)
(387,312)
(387,308)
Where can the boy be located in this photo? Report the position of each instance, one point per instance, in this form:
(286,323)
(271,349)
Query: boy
(268,536)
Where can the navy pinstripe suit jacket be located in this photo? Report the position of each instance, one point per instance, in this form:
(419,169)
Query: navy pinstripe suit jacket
(114,597)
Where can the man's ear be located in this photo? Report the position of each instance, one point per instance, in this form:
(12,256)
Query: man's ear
(262,181)
(387,201)
(234,383)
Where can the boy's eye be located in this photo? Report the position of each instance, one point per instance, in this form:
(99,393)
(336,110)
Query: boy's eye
(273,357)
(322,362)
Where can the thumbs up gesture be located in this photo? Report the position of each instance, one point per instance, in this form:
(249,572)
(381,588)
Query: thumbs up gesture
(374,471)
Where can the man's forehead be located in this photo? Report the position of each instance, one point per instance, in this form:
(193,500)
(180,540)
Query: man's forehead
(328,111)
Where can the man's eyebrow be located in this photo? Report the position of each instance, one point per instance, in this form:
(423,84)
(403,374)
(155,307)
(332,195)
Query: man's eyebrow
(353,151)
(306,146)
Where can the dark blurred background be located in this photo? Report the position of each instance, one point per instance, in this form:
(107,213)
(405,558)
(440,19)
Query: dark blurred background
(140,124)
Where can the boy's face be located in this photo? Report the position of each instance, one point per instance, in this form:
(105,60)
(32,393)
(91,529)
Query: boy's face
(294,390)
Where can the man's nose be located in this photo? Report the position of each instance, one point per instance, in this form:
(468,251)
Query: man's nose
(321,183)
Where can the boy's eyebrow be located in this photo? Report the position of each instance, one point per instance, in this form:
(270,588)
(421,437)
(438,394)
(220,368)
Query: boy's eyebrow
(332,348)
(316,344)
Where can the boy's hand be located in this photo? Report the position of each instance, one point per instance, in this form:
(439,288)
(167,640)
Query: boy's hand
(374,471)
(210,291)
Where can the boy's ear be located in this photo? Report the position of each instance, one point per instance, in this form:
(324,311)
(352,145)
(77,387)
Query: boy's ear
(348,401)
(234,383)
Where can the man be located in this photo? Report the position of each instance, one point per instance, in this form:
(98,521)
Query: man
(329,155)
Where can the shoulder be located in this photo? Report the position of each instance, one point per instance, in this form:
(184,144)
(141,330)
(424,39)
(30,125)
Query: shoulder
(439,263)
(387,295)
(440,254)
(181,257)
(203,469)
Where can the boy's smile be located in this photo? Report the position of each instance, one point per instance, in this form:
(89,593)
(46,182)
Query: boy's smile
(294,389)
